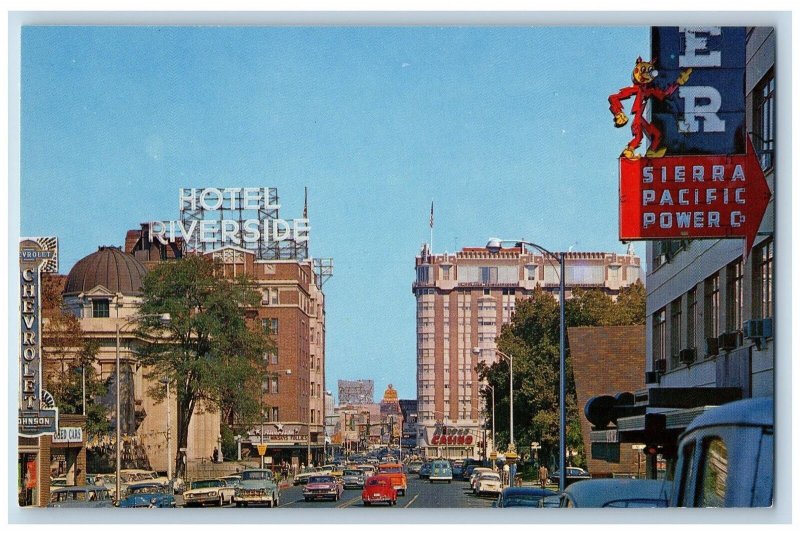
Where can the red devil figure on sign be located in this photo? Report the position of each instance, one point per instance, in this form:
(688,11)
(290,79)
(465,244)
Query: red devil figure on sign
(642,90)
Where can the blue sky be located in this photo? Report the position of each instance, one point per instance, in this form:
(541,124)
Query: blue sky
(507,130)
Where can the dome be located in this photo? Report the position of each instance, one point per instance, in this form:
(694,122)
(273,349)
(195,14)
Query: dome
(108,267)
(390,394)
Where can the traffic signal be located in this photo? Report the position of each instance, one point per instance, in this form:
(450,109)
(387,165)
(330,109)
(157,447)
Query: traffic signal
(655,433)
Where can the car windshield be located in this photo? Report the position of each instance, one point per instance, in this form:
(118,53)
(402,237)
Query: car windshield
(521,500)
(147,489)
(207,483)
(256,476)
(390,469)
(377,482)
(353,473)
(493,477)
(321,479)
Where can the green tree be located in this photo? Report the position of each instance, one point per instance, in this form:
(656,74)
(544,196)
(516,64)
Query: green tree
(69,358)
(532,339)
(212,350)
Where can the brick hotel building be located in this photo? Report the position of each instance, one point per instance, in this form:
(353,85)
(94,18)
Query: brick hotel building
(463,299)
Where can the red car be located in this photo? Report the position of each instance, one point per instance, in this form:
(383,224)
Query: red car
(379,489)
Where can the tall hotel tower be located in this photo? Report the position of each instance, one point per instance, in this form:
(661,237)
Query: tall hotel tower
(463,299)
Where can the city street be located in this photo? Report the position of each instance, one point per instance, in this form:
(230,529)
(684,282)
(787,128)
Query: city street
(421,493)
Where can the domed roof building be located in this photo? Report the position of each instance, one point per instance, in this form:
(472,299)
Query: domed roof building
(110,268)
(104,290)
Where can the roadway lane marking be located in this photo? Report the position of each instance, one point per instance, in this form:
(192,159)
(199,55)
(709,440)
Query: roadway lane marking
(290,503)
(349,502)
(406,506)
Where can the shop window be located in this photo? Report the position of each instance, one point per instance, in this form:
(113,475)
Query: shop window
(762,280)
(692,318)
(733,297)
(711,306)
(659,335)
(675,317)
(101,308)
(764,120)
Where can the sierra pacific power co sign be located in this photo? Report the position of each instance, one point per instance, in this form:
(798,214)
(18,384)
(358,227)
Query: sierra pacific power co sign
(699,176)
(38,414)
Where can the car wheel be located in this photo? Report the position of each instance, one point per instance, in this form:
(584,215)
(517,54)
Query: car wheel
(366,504)
(307,499)
(276,499)
(394,502)
(238,504)
(221,501)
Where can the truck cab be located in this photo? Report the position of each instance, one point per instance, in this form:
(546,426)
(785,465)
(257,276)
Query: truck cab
(726,457)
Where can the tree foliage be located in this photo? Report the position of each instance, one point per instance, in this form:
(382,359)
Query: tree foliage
(69,358)
(532,339)
(212,351)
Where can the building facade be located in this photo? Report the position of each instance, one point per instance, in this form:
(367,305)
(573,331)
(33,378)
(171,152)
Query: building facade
(463,300)
(710,310)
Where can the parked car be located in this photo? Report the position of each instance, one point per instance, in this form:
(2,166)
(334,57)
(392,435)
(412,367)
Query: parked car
(441,471)
(396,474)
(414,466)
(488,483)
(526,497)
(148,495)
(379,489)
(353,479)
(208,492)
(326,486)
(619,493)
(726,457)
(467,472)
(425,470)
(473,479)
(573,474)
(80,496)
(368,469)
(257,487)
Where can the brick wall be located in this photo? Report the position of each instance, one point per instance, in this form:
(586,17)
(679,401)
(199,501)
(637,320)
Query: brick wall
(606,361)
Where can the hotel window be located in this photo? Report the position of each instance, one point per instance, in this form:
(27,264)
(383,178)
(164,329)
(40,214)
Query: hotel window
(711,306)
(762,280)
(271,356)
(273,385)
(764,120)
(275,415)
(275,297)
(530,272)
(488,274)
(423,273)
(446,273)
(270,325)
(691,325)
(659,335)
(733,297)
(675,316)
(100,308)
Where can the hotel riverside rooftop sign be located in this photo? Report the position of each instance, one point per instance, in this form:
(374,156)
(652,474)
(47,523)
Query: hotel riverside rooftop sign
(38,414)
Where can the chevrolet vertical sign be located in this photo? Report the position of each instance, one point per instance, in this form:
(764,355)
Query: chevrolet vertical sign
(708,114)
(38,414)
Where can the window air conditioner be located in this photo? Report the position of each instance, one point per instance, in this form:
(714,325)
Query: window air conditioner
(687,356)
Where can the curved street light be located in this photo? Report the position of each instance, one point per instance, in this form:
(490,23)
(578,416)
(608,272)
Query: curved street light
(165,319)
(493,246)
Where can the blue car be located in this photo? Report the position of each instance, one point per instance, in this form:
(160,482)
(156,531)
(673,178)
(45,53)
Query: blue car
(148,494)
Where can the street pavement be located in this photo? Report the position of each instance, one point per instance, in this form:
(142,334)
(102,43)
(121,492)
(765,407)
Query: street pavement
(420,493)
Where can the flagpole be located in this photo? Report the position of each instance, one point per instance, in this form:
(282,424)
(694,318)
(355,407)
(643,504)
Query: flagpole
(431,228)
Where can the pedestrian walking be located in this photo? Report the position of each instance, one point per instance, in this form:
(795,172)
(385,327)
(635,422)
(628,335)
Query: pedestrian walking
(544,474)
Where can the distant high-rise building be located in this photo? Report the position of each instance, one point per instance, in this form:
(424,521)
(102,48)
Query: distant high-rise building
(463,300)
(358,392)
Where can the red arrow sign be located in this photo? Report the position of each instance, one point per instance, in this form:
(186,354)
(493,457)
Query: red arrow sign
(685,197)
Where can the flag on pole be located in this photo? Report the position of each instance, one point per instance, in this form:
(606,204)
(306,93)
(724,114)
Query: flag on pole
(431,214)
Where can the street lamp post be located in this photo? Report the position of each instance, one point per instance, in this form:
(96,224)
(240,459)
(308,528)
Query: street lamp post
(493,246)
(510,360)
(165,318)
(494,448)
